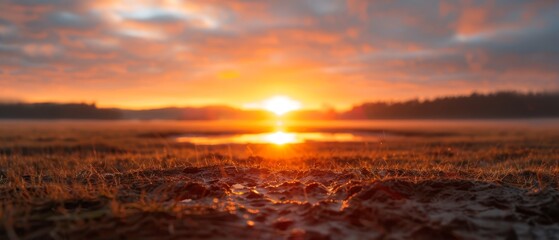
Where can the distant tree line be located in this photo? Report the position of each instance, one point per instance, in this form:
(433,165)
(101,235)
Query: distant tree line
(56,111)
(91,111)
(494,105)
(478,106)
(197,113)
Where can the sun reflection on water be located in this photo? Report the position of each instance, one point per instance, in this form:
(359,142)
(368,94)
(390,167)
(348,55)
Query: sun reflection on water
(278,138)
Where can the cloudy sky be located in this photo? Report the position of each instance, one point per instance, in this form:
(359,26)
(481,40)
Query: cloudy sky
(322,52)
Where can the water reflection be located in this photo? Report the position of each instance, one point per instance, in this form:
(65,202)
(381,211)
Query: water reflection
(278,138)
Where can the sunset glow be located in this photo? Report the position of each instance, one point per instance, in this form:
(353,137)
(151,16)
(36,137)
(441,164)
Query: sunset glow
(304,119)
(281,105)
(149,54)
(281,138)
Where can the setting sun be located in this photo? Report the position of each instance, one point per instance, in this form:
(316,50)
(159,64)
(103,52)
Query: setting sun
(281,105)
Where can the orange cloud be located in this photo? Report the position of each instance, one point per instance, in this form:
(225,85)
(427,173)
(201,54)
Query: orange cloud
(212,52)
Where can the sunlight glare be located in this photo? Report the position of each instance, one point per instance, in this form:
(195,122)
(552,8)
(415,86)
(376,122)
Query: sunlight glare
(280,138)
(281,105)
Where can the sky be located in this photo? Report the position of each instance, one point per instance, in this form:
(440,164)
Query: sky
(323,53)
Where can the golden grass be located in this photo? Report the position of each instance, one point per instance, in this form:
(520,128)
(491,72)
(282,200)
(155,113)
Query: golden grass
(58,178)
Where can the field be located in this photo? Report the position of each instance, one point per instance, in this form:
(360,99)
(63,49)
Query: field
(132,180)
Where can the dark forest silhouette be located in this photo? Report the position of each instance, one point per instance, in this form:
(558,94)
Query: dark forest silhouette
(56,111)
(478,106)
(494,105)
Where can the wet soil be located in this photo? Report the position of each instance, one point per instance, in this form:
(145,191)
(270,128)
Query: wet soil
(254,203)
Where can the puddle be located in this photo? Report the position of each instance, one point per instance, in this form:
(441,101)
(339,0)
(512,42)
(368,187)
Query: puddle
(278,138)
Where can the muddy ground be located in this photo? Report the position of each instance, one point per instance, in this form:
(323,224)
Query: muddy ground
(70,180)
(231,202)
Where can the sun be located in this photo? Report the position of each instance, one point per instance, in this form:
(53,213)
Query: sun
(281,105)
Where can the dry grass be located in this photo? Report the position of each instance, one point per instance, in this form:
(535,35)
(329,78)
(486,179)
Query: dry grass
(57,181)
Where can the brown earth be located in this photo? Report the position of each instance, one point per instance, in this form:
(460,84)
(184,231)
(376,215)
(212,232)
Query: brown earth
(122,180)
(256,203)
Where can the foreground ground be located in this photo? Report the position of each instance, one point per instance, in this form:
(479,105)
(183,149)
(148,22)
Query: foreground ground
(115,181)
